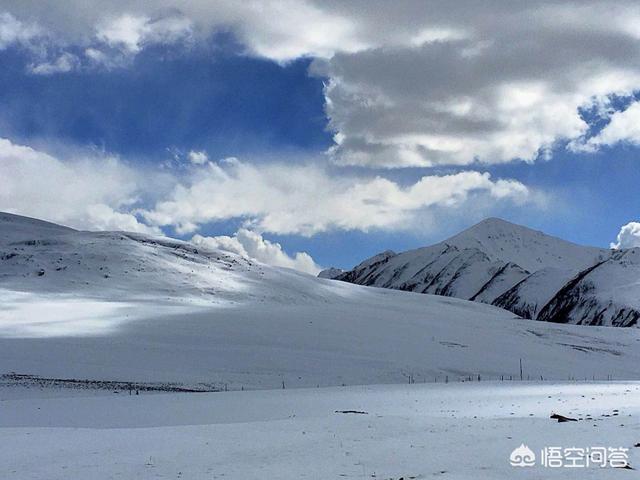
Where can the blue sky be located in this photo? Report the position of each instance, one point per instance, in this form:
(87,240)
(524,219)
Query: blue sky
(143,129)
(208,97)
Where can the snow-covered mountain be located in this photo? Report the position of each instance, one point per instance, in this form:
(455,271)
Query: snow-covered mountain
(331,272)
(130,307)
(608,293)
(534,275)
(41,257)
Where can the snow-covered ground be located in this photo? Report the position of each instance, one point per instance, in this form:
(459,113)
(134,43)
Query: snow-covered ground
(95,312)
(452,431)
(358,335)
(129,307)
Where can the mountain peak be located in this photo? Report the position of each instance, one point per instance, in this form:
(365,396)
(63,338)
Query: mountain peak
(516,268)
(528,248)
(495,225)
(495,221)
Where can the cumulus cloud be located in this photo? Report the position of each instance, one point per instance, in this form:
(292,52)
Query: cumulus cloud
(131,32)
(624,126)
(198,157)
(115,38)
(510,90)
(489,83)
(14,31)
(306,199)
(251,244)
(62,64)
(102,217)
(89,193)
(628,237)
(102,192)
(118,38)
(409,83)
(280,30)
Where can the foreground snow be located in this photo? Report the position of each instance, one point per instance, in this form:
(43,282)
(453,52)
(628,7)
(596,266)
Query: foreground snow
(453,431)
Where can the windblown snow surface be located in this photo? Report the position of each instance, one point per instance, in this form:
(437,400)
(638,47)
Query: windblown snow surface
(531,274)
(84,315)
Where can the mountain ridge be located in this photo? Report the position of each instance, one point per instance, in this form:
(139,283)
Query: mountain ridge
(516,268)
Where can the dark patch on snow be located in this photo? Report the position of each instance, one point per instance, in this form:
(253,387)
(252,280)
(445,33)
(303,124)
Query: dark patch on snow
(22,380)
(562,418)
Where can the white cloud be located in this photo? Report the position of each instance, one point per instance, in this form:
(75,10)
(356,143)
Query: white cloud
(250,244)
(198,157)
(306,199)
(13,31)
(288,29)
(89,193)
(505,83)
(628,237)
(104,217)
(110,40)
(102,192)
(623,127)
(280,30)
(132,32)
(410,83)
(476,82)
(125,31)
(105,58)
(64,63)
(448,108)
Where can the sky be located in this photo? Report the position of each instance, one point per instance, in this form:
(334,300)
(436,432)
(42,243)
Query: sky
(310,134)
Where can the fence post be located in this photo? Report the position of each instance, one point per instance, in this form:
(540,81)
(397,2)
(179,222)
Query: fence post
(520,369)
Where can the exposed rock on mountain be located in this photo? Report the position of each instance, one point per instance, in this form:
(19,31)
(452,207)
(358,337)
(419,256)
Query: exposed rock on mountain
(534,275)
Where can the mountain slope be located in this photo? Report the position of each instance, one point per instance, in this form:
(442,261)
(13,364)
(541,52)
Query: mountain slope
(605,294)
(130,307)
(40,257)
(14,228)
(515,268)
(527,297)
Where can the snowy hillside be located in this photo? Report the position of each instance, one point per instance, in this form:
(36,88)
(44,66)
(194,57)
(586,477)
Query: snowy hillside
(15,228)
(41,257)
(606,294)
(515,268)
(124,307)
